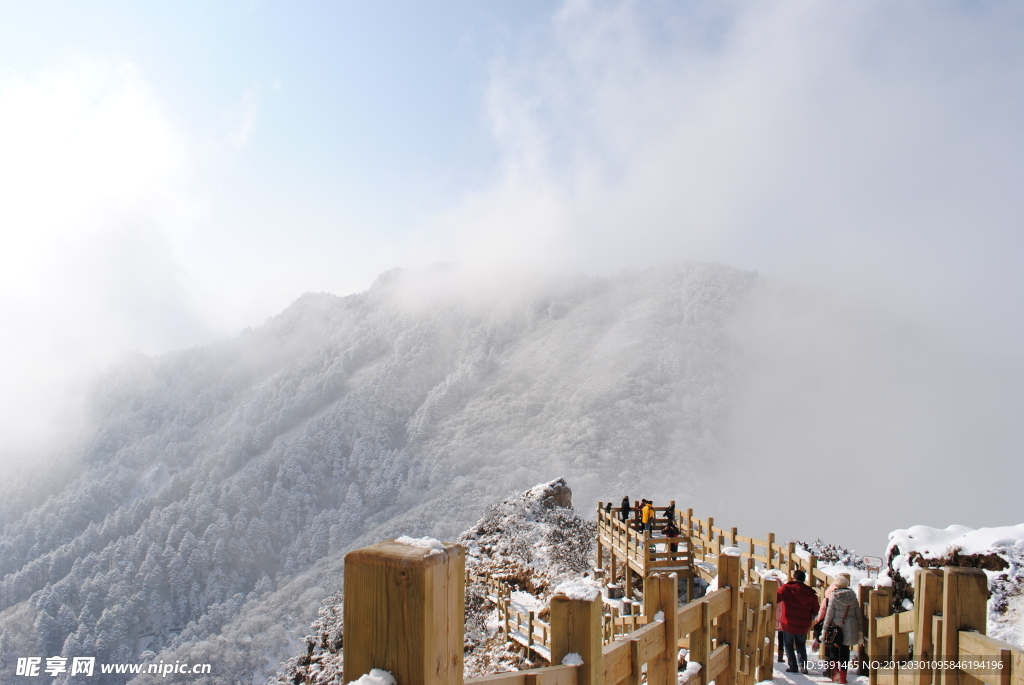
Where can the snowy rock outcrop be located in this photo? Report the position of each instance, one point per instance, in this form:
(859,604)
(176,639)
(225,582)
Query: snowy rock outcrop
(531,538)
(999,551)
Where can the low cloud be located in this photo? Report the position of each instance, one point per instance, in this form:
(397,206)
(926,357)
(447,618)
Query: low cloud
(92,199)
(868,147)
(867,153)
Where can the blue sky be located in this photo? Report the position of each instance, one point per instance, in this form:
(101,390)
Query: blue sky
(173,172)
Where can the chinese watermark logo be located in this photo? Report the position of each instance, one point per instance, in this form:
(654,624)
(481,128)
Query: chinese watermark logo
(55,665)
(32,666)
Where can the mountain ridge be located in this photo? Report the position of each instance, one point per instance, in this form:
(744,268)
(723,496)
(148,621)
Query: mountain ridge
(225,482)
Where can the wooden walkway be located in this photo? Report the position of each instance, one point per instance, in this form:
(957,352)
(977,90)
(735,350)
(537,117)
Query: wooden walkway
(699,545)
(728,632)
(636,552)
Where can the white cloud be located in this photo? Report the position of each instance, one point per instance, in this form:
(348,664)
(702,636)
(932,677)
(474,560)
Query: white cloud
(243,120)
(870,146)
(92,198)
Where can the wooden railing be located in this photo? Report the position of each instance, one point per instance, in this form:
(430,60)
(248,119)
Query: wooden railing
(404,614)
(948,623)
(519,626)
(708,627)
(755,554)
(639,552)
(700,543)
(534,633)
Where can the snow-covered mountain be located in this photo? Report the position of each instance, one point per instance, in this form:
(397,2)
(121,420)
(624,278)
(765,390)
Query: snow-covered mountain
(208,515)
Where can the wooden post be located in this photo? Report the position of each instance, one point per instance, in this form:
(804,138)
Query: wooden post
(771,552)
(900,648)
(613,569)
(634,660)
(964,599)
(576,628)
(700,645)
(661,593)
(405,613)
(927,603)
(745,647)
(812,564)
(627,574)
(879,604)
(600,554)
(863,597)
(728,623)
(732,536)
(689,520)
(790,553)
(769,599)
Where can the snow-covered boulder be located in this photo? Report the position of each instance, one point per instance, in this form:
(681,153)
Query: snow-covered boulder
(999,551)
(531,538)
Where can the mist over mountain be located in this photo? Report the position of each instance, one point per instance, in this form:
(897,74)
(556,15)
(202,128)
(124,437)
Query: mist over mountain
(209,513)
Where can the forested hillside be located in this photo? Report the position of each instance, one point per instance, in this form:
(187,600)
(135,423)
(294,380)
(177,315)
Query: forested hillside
(209,512)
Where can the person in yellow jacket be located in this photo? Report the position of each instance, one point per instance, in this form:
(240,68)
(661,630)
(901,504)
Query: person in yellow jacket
(647,517)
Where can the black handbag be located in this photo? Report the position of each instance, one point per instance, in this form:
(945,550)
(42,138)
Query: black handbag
(833,633)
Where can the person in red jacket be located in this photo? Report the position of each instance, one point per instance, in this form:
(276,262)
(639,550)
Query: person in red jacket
(798,605)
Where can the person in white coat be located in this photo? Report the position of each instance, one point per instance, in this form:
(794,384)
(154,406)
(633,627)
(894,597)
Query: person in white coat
(842,612)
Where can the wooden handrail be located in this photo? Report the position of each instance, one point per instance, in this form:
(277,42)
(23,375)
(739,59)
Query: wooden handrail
(728,631)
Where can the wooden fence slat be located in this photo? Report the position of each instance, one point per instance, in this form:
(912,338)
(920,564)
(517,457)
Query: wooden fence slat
(769,599)
(927,603)
(879,605)
(617,662)
(700,644)
(635,661)
(663,590)
(976,646)
(549,675)
(964,597)
(728,623)
(718,602)
(719,662)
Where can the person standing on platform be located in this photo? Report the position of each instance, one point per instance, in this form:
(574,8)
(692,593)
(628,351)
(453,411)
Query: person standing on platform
(625,509)
(671,531)
(798,605)
(647,517)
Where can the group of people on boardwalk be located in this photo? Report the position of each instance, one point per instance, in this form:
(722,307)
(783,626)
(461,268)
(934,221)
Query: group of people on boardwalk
(835,621)
(644,516)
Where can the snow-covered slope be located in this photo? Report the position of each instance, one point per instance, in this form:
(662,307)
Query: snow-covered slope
(210,511)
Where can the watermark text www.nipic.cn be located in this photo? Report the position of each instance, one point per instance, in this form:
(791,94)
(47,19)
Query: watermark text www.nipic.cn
(54,666)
